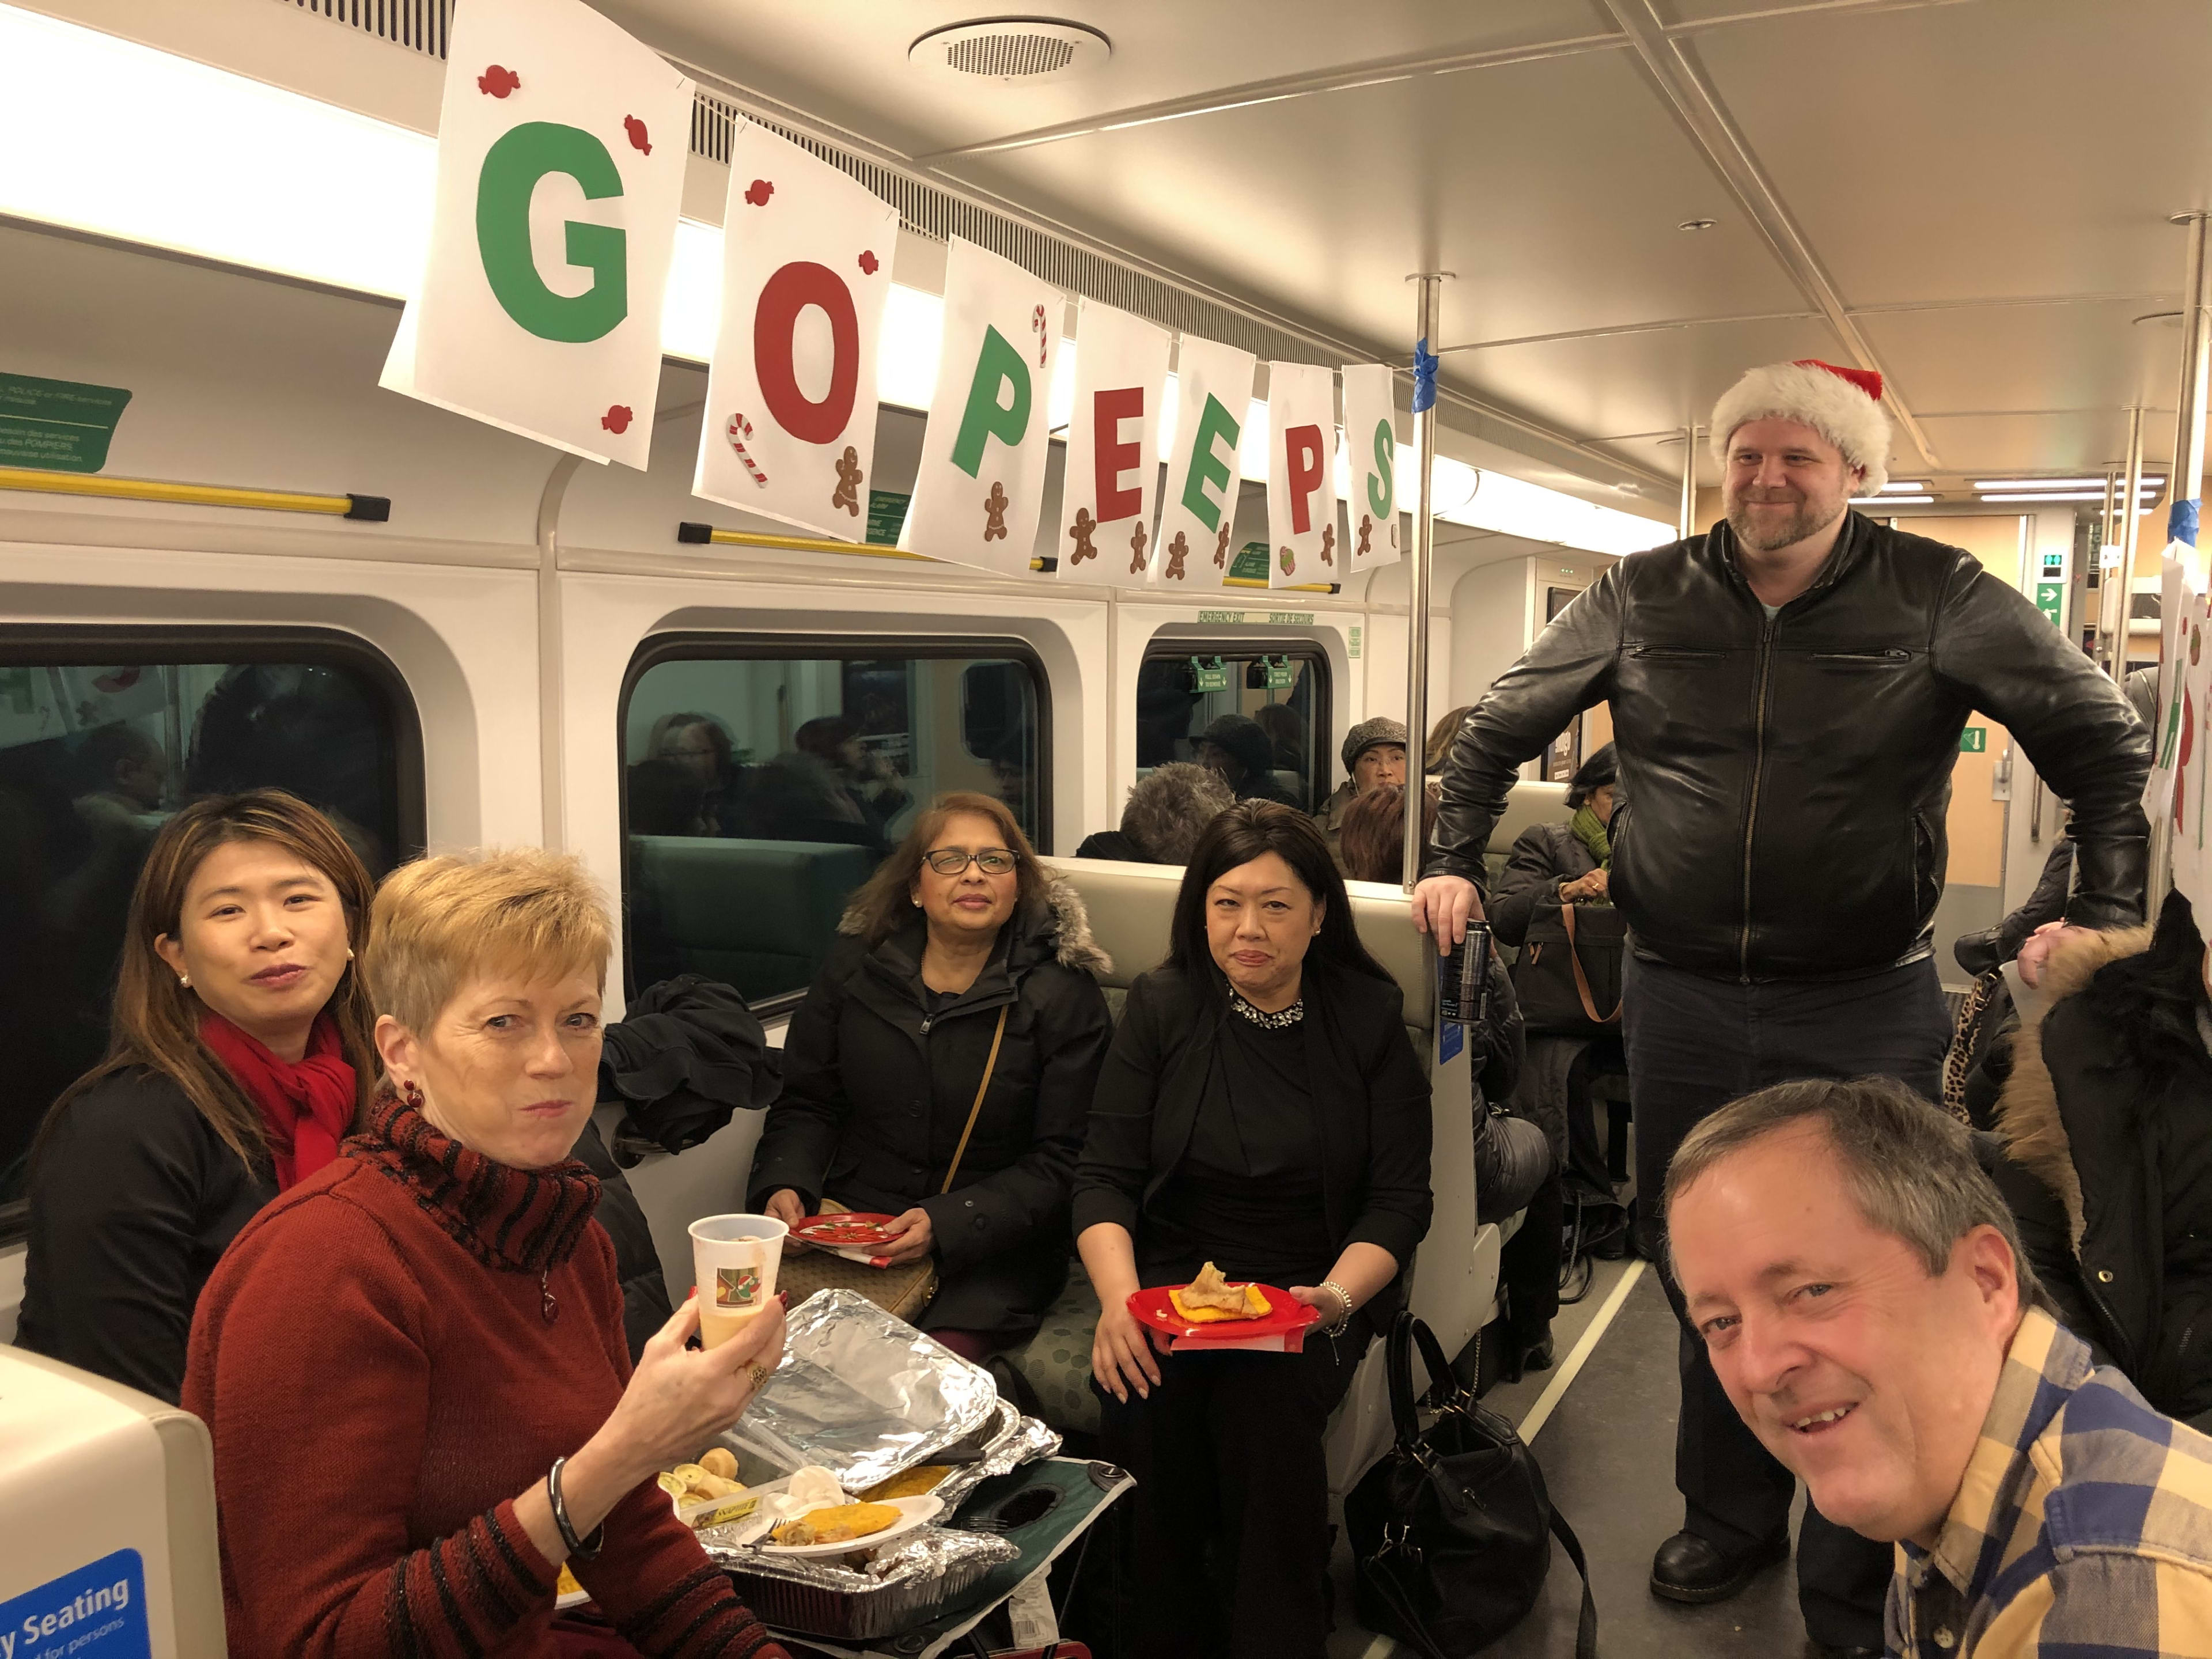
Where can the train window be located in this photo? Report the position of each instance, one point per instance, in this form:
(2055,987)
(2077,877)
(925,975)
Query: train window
(105,733)
(1260,717)
(764,780)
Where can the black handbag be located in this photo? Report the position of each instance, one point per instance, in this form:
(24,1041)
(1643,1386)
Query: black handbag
(1451,1533)
(1567,977)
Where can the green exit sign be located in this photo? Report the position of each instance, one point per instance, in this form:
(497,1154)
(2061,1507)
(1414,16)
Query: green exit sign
(1250,563)
(1279,675)
(1974,740)
(2051,600)
(1203,678)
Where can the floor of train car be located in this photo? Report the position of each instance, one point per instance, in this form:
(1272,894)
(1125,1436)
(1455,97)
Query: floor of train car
(1605,1441)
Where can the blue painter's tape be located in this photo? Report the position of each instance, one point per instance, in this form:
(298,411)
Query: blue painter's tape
(97,1612)
(1424,376)
(1451,1037)
(2181,522)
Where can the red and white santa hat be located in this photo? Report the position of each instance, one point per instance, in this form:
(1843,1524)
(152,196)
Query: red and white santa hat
(1844,406)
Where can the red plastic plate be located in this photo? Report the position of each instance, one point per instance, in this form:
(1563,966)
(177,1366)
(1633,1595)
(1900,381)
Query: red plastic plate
(1154,1312)
(852,1229)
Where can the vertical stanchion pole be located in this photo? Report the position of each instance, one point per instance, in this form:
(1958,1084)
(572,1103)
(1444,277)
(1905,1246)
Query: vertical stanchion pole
(1685,521)
(2131,535)
(2107,527)
(1419,559)
(2185,489)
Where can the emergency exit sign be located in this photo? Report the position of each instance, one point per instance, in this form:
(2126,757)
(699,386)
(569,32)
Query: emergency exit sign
(2051,600)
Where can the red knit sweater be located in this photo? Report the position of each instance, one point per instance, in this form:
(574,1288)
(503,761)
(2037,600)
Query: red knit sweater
(387,1356)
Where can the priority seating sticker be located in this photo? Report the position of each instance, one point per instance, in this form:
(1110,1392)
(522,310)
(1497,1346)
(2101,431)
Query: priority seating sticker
(97,1611)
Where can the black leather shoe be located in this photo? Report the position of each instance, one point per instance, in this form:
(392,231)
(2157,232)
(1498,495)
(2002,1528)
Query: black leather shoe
(1538,1356)
(1689,1567)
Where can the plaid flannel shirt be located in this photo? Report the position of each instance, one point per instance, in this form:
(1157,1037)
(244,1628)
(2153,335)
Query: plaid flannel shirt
(2083,1530)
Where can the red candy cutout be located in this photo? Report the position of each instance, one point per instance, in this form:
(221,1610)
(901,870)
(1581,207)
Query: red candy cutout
(498,81)
(760,191)
(618,418)
(635,128)
(869,263)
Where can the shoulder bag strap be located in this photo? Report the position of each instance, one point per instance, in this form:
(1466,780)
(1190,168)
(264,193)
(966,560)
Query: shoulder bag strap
(1582,980)
(1586,1631)
(984,1087)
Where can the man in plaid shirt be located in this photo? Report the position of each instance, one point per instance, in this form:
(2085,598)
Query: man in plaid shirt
(1859,1285)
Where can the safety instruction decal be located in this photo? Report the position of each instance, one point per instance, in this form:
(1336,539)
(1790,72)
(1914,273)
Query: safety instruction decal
(97,1611)
(60,426)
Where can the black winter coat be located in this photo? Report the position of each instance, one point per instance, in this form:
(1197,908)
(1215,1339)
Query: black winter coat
(1375,1125)
(2107,1121)
(1786,778)
(1544,855)
(876,1092)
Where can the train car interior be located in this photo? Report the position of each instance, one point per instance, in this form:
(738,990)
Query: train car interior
(240,549)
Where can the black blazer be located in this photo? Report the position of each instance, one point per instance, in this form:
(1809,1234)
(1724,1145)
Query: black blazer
(1374,1119)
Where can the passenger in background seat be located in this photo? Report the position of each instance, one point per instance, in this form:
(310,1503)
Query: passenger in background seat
(1262,1109)
(702,770)
(1514,1166)
(1374,756)
(940,1070)
(1235,747)
(1440,739)
(240,1057)
(1166,809)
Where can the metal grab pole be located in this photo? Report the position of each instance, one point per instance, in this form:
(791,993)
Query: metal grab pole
(2102,653)
(1419,559)
(2187,474)
(1685,521)
(2130,530)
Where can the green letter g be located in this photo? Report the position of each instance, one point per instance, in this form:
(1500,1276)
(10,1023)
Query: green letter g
(512,169)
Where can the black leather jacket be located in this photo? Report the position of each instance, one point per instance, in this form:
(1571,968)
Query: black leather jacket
(1785,778)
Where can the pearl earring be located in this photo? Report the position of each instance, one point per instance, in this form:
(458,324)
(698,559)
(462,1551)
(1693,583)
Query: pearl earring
(185,981)
(348,953)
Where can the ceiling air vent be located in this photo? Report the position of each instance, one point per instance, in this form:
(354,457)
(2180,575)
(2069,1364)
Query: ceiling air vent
(1009,49)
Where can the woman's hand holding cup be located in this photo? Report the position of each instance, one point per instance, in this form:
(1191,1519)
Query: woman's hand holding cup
(680,1398)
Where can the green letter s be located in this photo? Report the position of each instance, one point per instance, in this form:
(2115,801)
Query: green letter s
(512,169)
(1205,466)
(997,363)
(1382,490)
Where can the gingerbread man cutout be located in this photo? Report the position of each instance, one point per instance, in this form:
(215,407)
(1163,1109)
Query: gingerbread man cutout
(1083,528)
(1140,545)
(1366,529)
(1328,542)
(848,481)
(1221,549)
(994,513)
(1178,550)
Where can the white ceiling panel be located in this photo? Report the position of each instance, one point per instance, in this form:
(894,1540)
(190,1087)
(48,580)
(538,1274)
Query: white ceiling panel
(1999,445)
(2081,356)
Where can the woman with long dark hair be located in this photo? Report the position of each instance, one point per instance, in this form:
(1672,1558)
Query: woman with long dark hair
(240,1056)
(940,1070)
(1262,1109)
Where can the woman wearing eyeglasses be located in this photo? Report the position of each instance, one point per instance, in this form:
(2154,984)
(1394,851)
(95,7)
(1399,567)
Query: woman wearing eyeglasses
(940,1070)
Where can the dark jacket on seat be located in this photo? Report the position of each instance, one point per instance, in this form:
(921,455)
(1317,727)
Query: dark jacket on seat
(1786,778)
(2107,1119)
(1375,1127)
(876,1091)
(1544,855)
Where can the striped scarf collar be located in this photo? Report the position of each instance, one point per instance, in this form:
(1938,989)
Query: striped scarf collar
(521,1221)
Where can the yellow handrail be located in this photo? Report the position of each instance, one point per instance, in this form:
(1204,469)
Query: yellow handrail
(694,533)
(373,509)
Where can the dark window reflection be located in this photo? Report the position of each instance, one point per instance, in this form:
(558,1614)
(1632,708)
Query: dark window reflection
(93,758)
(1258,732)
(759,793)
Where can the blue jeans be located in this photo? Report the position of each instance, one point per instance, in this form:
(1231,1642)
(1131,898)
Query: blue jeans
(1694,1044)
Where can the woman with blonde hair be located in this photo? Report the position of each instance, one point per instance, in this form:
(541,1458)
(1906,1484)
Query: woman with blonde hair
(412,1364)
(940,1070)
(240,1056)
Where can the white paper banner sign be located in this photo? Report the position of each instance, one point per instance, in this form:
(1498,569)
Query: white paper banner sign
(2165,752)
(1370,448)
(789,430)
(980,484)
(1113,447)
(561,153)
(2191,848)
(1198,513)
(1301,532)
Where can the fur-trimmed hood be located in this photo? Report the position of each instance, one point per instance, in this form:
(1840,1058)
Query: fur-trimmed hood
(2029,1119)
(1065,926)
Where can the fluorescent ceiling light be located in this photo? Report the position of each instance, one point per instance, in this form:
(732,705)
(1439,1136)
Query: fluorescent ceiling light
(1898,486)
(2097,484)
(1889,500)
(2061,496)
(1508,507)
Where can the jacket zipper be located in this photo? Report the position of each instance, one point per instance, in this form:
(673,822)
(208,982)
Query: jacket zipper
(1758,770)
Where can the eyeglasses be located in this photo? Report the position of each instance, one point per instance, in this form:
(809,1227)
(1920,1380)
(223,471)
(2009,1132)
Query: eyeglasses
(952,861)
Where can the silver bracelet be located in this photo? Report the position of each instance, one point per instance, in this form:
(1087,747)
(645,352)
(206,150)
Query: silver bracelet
(1344,1296)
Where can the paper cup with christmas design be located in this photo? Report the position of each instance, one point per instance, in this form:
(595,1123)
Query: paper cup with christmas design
(733,1261)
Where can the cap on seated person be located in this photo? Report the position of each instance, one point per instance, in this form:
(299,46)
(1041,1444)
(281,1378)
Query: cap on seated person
(1859,1285)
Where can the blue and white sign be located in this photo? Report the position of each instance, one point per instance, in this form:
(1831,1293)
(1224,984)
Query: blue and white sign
(97,1611)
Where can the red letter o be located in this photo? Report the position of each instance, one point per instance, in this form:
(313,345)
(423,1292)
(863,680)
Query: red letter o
(790,291)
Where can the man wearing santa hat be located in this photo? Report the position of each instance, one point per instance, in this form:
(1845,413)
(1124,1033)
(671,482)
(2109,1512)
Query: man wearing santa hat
(1787,692)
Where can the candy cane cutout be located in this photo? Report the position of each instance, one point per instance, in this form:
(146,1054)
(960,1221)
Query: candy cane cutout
(1036,321)
(741,429)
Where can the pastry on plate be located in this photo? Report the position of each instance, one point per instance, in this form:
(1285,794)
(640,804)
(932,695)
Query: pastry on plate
(1211,1299)
(844,1523)
(908,1483)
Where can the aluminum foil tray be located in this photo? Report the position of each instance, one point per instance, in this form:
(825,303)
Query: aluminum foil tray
(901,1588)
(863,1394)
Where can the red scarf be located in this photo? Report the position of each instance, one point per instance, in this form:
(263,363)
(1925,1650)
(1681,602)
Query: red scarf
(307,1109)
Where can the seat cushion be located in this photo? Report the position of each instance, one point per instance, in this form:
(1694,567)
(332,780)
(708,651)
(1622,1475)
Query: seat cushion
(1056,1362)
